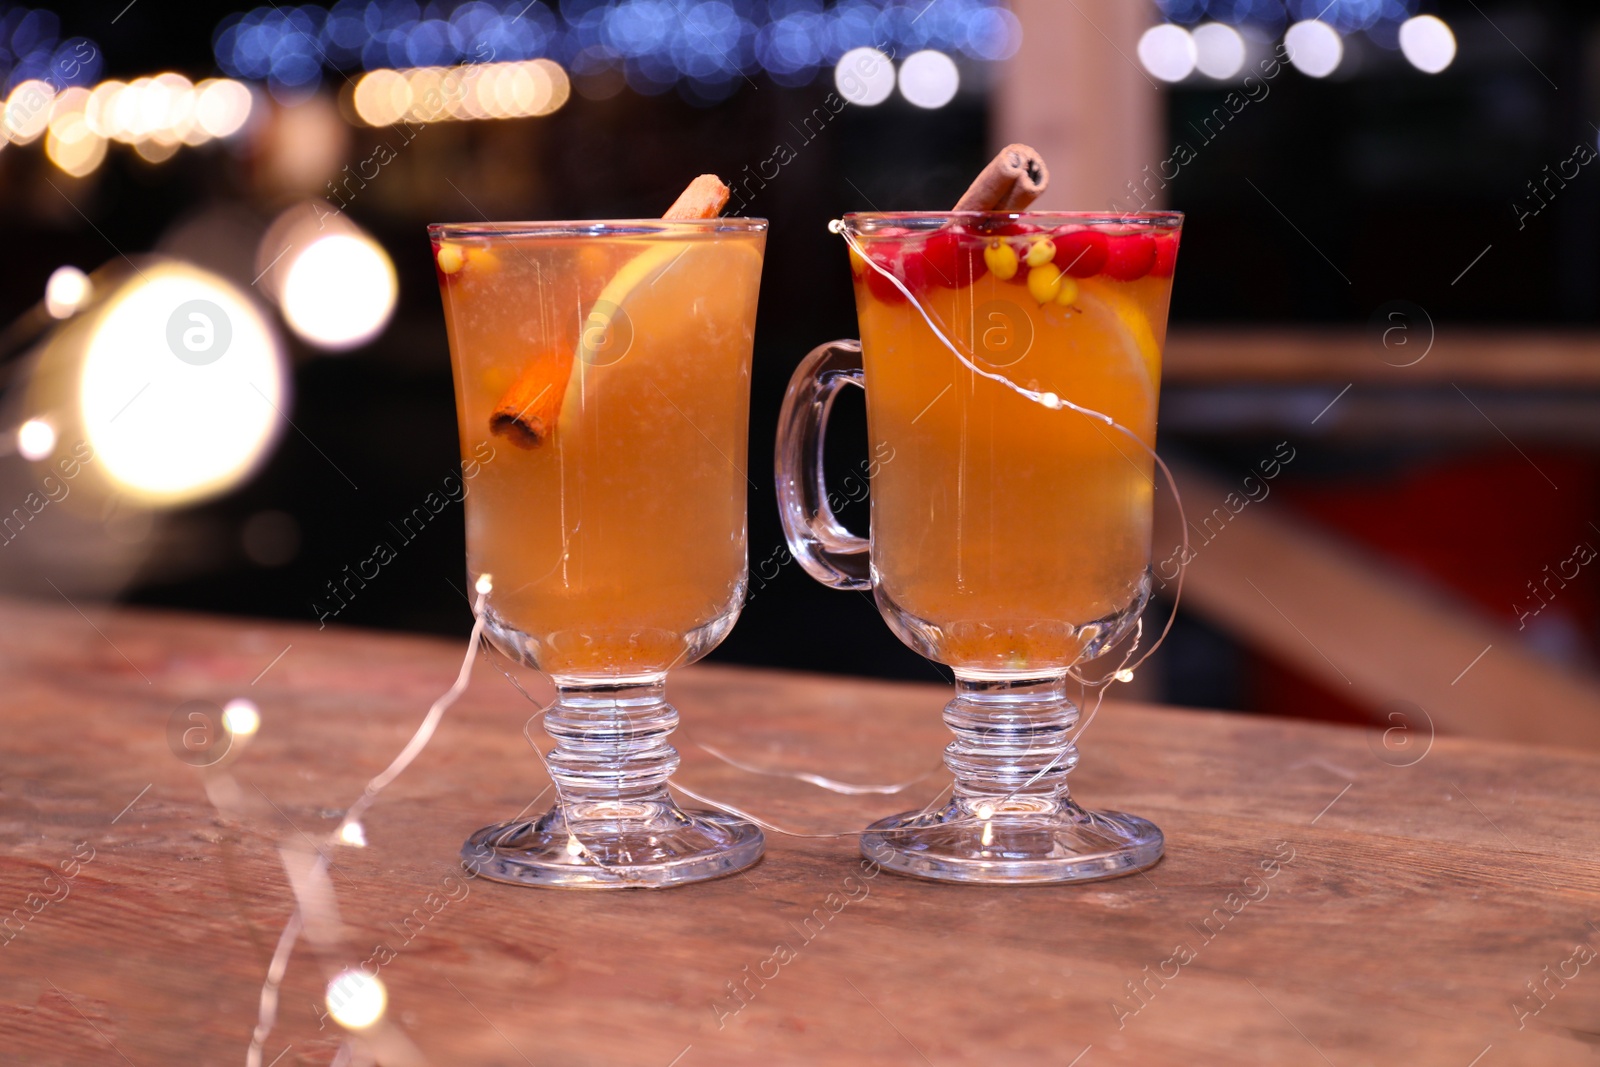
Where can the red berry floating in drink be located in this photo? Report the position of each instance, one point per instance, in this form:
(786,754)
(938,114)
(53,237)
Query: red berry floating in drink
(1129,257)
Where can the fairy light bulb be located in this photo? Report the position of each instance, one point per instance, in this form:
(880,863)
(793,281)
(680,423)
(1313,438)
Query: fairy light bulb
(356,999)
(36,439)
(241,717)
(67,290)
(352,833)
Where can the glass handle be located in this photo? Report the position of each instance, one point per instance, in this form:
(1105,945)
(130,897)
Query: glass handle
(830,553)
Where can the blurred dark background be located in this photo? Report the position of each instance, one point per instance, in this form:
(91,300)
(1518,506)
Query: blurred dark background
(1313,207)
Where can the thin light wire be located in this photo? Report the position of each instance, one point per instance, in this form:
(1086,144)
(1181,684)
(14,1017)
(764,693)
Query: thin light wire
(1101,686)
(267,1014)
(784,831)
(1051,401)
(832,785)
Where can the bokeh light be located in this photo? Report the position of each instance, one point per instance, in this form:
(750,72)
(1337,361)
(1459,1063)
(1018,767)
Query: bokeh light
(339,291)
(27,110)
(929,79)
(864,76)
(1168,52)
(525,89)
(31,49)
(67,290)
(241,717)
(1219,50)
(36,439)
(222,106)
(356,999)
(71,145)
(1315,48)
(705,47)
(181,385)
(1349,16)
(154,115)
(1428,43)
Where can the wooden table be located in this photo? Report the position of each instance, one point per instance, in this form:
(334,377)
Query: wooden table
(1410,906)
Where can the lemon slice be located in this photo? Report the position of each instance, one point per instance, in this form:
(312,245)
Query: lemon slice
(659,298)
(1137,335)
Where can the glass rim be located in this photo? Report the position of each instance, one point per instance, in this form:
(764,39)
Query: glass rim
(597,227)
(1162,219)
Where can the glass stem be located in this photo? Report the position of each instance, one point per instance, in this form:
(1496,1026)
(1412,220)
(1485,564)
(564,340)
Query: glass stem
(1012,737)
(611,740)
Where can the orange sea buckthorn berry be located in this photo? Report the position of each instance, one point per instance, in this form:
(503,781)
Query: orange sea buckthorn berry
(481,259)
(858,266)
(1001,259)
(449,258)
(1044,282)
(1041,252)
(1068,295)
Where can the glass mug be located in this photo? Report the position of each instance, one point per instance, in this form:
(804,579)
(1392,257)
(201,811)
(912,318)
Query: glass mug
(1010,533)
(602,379)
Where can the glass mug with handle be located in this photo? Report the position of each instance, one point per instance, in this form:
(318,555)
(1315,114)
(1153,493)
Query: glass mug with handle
(1011,364)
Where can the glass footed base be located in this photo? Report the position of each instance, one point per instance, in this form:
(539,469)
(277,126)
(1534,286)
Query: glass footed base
(1030,841)
(614,845)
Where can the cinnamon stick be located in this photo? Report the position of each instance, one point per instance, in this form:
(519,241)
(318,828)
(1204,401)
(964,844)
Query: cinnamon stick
(526,414)
(705,198)
(1011,181)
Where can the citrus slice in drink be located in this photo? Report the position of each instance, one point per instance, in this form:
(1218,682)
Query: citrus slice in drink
(662,300)
(1107,301)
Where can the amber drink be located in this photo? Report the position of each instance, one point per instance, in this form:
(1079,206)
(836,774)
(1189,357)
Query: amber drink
(1008,535)
(602,376)
(1012,366)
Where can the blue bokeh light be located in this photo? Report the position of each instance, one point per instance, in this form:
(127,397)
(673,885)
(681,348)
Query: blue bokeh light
(1266,19)
(1351,15)
(31,47)
(707,48)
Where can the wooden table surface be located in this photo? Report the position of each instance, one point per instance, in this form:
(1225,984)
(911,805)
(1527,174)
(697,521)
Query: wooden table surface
(1418,888)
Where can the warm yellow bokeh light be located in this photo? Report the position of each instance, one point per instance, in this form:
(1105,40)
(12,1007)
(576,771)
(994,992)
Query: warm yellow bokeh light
(72,146)
(561,86)
(27,110)
(67,290)
(381,97)
(356,999)
(339,291)
(181,385)
(36,439)
(97,110)
(222,106)
(153,151)
(473,91)
(241,717)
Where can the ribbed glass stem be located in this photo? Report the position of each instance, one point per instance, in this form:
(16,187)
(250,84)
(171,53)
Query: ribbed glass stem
(615,825)
(611,740)
(1012,737)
